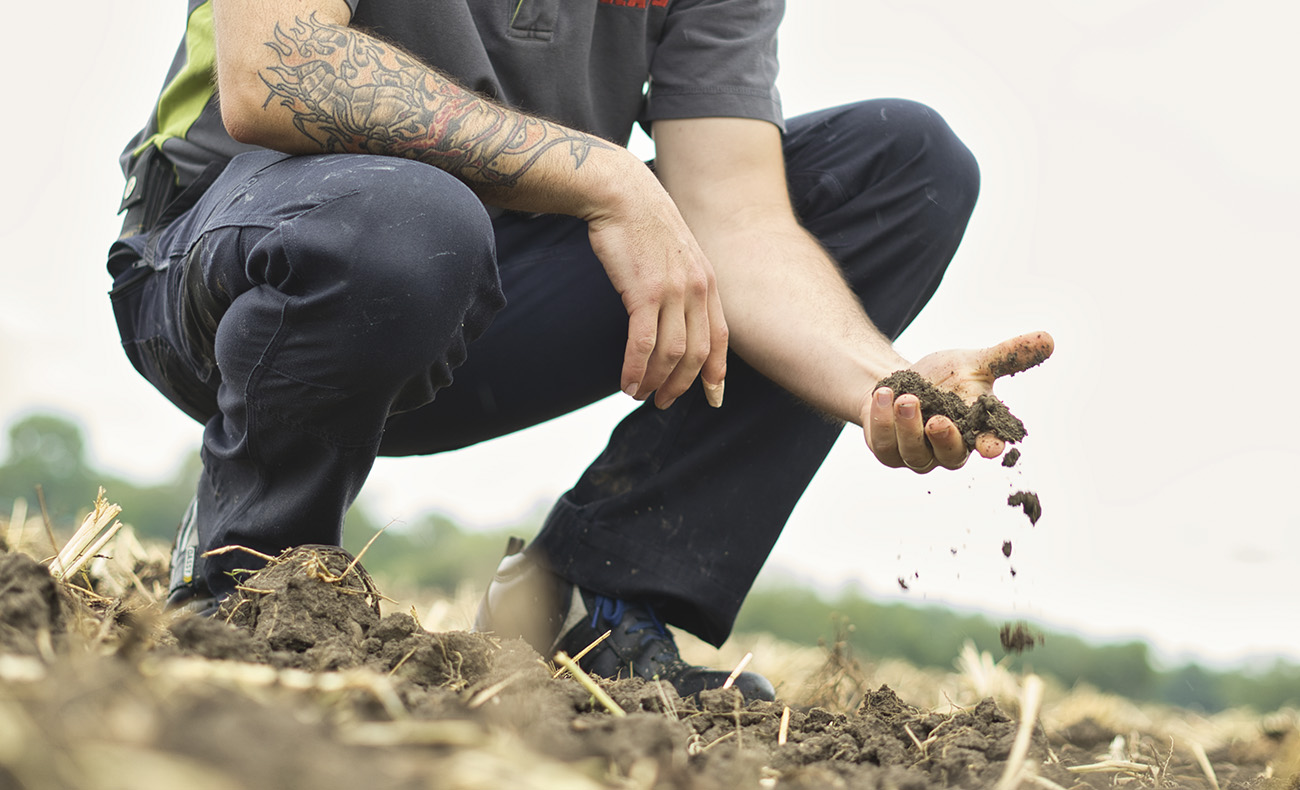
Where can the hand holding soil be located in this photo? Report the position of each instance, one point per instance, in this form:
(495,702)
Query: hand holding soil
(937,411)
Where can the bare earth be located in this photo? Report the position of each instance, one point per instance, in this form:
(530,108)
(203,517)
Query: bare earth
(308,686)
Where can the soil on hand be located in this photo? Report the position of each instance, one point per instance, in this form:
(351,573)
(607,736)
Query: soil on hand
(302,684)
(1028,501)
(986,415)
(1019,637)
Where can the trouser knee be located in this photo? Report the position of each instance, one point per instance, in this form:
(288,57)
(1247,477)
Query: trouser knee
(887,188)
(390,277)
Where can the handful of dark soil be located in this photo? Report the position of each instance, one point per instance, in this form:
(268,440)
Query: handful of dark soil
(986,415)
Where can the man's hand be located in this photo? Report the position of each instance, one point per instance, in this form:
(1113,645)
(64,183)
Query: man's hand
(676,328)
(893,425)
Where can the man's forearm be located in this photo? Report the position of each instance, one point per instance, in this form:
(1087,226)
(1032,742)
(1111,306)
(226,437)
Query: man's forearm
(794,318)
(332,88)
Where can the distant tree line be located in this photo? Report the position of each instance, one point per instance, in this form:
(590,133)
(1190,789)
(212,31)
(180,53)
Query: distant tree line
(49,452)
(435,553)
(932,636)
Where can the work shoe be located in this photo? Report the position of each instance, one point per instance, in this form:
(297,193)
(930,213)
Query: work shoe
(187,590)
(551,614)
(639,645)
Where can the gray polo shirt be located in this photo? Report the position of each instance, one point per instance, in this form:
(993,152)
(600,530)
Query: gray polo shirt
(595,65)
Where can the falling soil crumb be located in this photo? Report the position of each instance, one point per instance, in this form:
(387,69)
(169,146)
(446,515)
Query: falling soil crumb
(902,583)
(1019,637)
(986,415)
(1027,500)
(1013,455)
(1006,548)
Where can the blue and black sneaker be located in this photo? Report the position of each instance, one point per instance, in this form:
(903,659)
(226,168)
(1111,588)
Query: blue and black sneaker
(639,645)
(526,600)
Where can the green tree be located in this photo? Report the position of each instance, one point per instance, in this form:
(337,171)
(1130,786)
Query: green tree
(47,451)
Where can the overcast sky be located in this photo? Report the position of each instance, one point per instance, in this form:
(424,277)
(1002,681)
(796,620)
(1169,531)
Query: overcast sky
(1139,201)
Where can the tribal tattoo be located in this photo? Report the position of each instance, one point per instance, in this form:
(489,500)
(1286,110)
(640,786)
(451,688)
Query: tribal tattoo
(349,92)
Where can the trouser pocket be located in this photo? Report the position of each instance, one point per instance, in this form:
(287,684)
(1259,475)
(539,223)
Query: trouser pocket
(140,310)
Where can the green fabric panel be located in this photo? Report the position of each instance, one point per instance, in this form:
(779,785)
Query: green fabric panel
(185,96)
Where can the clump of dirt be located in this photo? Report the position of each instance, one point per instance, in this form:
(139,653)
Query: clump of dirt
(1013,455)
(30,609)
(1028,501)
(1019,637)
(986,415)
(1006,548)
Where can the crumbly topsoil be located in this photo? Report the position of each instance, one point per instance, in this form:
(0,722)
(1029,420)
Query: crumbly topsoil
(301,684)
(986,415)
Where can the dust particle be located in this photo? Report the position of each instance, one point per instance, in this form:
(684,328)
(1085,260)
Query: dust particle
(1019,637)
(1013,455)
(1006,548)
(1028,501)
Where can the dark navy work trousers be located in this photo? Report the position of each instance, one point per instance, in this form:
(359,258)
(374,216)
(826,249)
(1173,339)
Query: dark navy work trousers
(313,312)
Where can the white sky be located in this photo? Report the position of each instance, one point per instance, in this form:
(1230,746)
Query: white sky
(1139,201)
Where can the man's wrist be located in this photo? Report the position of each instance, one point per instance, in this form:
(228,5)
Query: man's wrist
(614,183)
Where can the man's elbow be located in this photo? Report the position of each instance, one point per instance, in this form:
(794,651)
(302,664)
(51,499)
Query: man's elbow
(245,117)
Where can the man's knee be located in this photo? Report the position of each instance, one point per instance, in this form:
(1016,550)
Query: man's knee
(918,138)
(880,154)
(395,272)
(402,231)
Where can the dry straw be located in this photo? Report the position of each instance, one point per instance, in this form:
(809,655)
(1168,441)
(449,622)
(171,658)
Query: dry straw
(97,529)
(590,685)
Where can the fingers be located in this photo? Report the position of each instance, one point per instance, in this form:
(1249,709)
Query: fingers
(910,434)
(946,440)
(897,437)
(714,373)
(989,445)
(1017,354)
(642,336)
(668,347)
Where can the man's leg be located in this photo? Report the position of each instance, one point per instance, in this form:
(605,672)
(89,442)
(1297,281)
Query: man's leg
(303,301)
(684,505)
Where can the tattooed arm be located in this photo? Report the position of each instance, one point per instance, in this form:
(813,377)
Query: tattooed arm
(294,77)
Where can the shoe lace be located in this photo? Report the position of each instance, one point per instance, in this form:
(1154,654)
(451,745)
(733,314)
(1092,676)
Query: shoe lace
(611,611)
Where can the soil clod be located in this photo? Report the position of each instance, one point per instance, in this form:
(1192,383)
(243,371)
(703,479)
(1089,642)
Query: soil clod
(1028,501)
(1013,455)
(1019,637)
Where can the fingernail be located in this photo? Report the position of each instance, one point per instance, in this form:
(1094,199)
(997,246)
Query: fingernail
(713,393)
(884,397)
(907,410)
(666,405)
(630,390)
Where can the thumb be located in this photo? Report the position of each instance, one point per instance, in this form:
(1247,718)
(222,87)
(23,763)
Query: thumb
(1017,354)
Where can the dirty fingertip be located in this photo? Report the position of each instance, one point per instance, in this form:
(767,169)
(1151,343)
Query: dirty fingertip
(988,445)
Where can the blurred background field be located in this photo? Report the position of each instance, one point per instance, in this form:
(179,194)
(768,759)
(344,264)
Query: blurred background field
(437,559)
